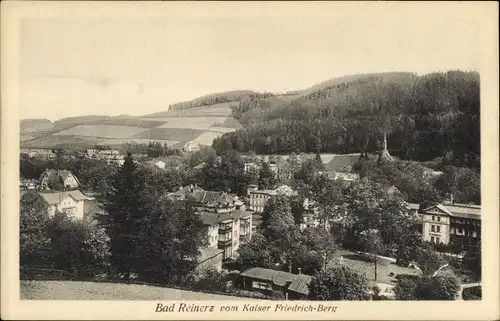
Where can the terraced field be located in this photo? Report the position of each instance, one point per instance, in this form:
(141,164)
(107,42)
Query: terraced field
(175,128)
(102,131)
(223,109)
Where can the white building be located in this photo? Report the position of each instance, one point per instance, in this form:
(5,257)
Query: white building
(70,203)
(259,198)
(191,147)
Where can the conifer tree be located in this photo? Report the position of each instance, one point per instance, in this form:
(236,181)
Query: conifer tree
(123,211)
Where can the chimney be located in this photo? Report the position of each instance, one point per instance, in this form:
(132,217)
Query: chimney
(300,270)
(451,198)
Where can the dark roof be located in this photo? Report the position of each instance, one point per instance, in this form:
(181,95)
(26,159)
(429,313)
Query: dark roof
(342,163)
(62,174)
(459,210)
(211,218)
(279,278)
(56,198)
(300,284)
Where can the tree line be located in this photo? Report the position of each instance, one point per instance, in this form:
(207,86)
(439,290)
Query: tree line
(420,117)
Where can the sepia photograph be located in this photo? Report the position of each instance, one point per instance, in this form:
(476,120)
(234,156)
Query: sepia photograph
(242,154)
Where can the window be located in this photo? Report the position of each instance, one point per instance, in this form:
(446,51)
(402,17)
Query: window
(433,229)
(438,228)
(437,240)
(432,239)
(261,285)
(439,219)
(433,217)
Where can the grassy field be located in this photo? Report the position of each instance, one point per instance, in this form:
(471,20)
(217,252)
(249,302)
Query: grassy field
(72,290)
(357,263)
(207,138)
(53,141)
(221,129)
(102,131)
(223,109)
(133,122)
(179,134)
(202,123)
(121,141)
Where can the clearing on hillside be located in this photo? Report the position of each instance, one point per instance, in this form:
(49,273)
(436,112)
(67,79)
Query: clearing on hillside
(180,134)
(207,138)
(192,122)
(223,109)
(64,142)
(102,131)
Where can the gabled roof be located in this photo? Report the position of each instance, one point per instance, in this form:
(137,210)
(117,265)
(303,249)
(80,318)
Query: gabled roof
(57,197)
(459,210)
(62,174)
(279,278)
(300,284)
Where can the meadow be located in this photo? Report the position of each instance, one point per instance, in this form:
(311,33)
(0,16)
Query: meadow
(74,290)
(102,131)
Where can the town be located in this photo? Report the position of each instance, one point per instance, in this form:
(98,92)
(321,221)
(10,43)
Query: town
(278,227)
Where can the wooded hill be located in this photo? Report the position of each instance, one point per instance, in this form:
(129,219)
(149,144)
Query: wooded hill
(423,117)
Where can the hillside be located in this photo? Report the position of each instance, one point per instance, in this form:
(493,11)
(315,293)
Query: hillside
(424,117)
(217,98)
(175,128)
(34,125)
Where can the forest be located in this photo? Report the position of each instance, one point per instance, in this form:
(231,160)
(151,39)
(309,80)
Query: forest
(423,117)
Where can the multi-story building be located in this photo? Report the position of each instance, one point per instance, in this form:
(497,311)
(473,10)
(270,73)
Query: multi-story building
(71,203)
(111,156)
(451,223)
(227,231)
(228,224)
(259,198)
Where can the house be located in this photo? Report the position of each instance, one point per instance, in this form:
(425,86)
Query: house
(259,198)
(251,168)
(91,152)
(71,203)
(213,201)
(42,153)
(293,286)
(157,163)
(27,184)
(451,223)
(65,177)
(191,146)
(110,156)
(227,231)
(310,217)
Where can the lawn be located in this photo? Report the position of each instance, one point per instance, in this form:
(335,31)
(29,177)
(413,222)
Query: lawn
(72,290)
(71,142)
(357,263)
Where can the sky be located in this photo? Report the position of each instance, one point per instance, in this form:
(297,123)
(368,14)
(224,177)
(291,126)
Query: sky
(72,65)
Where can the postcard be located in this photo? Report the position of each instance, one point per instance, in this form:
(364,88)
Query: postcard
(249,160)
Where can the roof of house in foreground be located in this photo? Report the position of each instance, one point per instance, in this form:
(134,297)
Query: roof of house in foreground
(298,282)
(56,197)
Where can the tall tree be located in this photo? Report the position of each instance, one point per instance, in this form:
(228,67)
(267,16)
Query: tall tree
(168,240)
(124,209)
(266,177)
(34,218)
